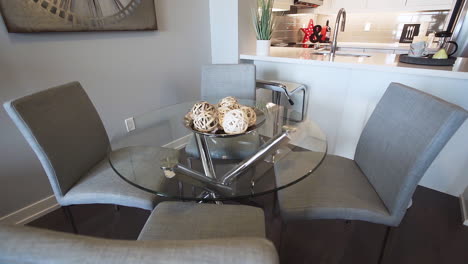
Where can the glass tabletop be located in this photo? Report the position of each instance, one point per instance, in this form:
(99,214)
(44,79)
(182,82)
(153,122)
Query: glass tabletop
(164,157)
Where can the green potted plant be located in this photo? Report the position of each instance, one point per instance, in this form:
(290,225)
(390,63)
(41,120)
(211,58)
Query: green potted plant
(264,23)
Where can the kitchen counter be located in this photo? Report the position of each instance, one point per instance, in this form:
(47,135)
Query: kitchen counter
(343,93)
(376,62)
(360,45)
(365,45)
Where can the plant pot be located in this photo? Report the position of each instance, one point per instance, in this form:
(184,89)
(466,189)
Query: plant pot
(263,47)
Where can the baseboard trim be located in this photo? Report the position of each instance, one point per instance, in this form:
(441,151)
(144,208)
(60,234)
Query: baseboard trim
(31,212)
(464,210)
(34,211)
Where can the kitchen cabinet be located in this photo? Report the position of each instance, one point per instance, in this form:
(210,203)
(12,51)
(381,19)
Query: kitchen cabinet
(326,8)
(386,4)
(365,6)
(282,5)
(349,4)
(327,5)
(429,3)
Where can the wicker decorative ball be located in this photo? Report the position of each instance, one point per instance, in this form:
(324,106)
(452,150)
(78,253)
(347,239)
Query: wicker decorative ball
(250,114)
(201,107)
(221,113)
(230,102)
(227,115)
(188,118)
(206,121)
(235,122)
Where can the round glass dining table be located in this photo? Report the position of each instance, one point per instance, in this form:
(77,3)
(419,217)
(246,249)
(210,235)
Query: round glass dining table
(165,157)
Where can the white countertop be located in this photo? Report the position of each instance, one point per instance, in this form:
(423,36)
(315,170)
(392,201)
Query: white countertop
(377,61)
(365,45)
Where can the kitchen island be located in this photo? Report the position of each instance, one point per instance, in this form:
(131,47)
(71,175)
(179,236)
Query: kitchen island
(394,47)
(358,60)
(391,48)
(343,93)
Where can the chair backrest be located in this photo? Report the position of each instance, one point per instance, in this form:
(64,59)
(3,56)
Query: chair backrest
(221,80)
(403,136)
(31,245)
(65,131)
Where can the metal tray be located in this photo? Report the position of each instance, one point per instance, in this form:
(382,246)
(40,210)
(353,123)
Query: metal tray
(427,60)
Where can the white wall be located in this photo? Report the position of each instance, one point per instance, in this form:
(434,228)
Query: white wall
(224,31)
(232,31)
(247,36)
(342,99)
(125,73)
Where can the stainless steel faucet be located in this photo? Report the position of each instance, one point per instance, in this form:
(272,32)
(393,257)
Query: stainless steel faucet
(341,13)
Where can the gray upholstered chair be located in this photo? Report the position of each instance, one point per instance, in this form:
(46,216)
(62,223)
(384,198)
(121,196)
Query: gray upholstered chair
(65,131)
(189,220)
(176,233)
(223,80)
(403,136)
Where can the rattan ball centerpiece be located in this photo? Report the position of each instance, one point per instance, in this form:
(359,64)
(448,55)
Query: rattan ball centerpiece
(227,117)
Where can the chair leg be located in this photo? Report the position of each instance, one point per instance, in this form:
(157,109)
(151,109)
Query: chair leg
(384,245)
(284,226)
(68,214)
(276,208)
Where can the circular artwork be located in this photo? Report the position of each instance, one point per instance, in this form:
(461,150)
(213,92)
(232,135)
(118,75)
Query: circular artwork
(89,12)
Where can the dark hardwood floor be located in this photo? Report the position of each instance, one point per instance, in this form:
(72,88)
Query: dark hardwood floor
(430,233)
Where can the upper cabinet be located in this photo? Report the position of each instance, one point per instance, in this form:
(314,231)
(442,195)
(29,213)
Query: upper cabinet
(429,3)
(385,5)
(282,5)
(349,4)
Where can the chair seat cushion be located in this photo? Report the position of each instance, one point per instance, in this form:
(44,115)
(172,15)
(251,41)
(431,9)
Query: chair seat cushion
(336,190)
(239,147)
(104,186)
(20,244)
(188,221)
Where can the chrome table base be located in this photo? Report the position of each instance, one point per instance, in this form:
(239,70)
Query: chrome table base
(222,185)
(205,156)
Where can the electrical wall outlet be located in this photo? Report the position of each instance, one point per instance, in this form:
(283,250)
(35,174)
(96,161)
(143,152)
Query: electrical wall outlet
(130,124)
(367,26)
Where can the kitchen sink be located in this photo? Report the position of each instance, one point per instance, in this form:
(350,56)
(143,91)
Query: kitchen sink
(342,54)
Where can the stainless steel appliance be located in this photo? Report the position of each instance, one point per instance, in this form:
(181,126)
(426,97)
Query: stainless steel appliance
(446,43)
(458,25)
(310,3)
(301,4)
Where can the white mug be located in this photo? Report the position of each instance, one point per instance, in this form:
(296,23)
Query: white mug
(418,49)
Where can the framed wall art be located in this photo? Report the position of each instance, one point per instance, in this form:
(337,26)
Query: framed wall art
(23,16)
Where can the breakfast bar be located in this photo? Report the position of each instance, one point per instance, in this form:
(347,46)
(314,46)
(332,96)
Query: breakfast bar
(344,92)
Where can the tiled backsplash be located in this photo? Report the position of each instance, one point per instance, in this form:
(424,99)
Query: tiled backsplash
(288,28)
(384,27)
